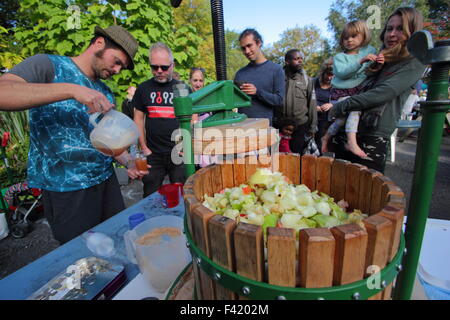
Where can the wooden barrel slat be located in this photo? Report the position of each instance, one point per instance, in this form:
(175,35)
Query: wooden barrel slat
(251,166)
(281,256)
(222,247)
(379,231)
(216,181)
(316,258)
(377,186)
(350,254)
(227,175)
(308,171)
(395,214)
(239,171)
(199,219)
(365,189)
(338,179)
(396,201)
(323,174)
(283,163)
(249,251)
(389,190)
(352,185)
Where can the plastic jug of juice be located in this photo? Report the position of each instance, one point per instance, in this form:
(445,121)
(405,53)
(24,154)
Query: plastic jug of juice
(114,133)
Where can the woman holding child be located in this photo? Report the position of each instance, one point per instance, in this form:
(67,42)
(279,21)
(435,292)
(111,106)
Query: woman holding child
(394,73)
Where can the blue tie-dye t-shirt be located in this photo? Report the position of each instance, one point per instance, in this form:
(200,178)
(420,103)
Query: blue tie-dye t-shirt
(61,156)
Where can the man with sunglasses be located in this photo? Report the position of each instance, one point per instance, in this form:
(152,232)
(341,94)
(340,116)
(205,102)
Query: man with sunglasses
(155,117)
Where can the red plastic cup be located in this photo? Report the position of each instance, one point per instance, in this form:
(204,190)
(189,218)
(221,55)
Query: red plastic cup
(170,194)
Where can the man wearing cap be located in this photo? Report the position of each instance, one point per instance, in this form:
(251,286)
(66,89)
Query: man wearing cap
(299,100)
(78,183)
(155,117)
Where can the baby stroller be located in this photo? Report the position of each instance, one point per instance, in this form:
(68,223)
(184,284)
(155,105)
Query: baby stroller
(23,202)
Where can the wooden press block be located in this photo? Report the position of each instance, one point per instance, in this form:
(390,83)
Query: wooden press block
(350,254)
(338,179)
(222,249)
(323,174)
(316,258)
(249,251)
(377,186)
(309,171)
(281,254)
(395,215)
(365,189)
(352,185)
(232,138)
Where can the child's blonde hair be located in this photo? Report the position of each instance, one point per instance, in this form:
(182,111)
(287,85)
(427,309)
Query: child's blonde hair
(353,28)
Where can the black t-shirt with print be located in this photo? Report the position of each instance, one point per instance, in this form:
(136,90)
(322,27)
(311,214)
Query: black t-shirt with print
(156,101)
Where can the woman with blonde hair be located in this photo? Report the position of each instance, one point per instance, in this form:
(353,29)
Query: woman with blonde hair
(390,85)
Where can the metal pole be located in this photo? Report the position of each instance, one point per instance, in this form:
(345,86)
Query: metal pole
(434,110)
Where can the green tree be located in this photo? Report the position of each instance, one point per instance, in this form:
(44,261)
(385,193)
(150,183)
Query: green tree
(235,58)
(197,15)
(375,12)
(66,27)
(308,40)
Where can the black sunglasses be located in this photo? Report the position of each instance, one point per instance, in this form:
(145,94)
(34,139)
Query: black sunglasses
(163,68)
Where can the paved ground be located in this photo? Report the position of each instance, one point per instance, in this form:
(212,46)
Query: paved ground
(16,253)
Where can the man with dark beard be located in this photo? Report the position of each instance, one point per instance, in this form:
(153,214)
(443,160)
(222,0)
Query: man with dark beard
(300,101)
(78,183)
(155,117)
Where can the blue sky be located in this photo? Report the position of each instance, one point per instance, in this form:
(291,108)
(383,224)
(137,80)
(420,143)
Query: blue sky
(272,17)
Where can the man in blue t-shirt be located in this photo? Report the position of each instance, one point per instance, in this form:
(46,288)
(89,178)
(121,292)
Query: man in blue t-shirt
(261,79)
(78,183)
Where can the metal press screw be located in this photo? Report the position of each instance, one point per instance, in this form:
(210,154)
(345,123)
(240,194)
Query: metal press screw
(399,268)
(356,296)
(281,298)
(383,284)
(217,276)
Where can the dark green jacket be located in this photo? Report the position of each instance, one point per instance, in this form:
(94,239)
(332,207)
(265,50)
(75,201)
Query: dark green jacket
(300,100)
(391,89)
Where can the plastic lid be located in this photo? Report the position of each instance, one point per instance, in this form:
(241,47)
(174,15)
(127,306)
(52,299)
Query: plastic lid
(135,219)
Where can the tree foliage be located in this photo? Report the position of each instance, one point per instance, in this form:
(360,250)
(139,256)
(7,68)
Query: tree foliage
(235,58)
(308,40)
(197,14)
(65,27)
(375,12)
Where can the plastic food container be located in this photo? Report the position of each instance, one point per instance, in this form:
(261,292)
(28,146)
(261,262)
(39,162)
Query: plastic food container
(434,263)
(160,250)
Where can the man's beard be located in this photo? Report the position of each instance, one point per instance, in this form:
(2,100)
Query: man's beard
(168,79)
(97,71)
